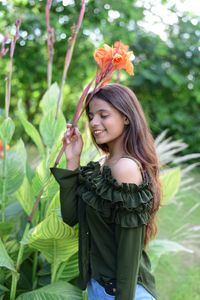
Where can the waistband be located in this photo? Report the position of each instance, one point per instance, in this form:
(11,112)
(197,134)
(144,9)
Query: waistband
(109,286)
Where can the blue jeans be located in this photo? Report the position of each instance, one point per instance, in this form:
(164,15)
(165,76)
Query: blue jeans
(97,292)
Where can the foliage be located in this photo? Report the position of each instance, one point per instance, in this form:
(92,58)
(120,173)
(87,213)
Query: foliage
(50,242)
(179,222)
(57,291)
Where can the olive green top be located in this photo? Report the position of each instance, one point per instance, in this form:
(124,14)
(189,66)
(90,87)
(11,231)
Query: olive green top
(112,219)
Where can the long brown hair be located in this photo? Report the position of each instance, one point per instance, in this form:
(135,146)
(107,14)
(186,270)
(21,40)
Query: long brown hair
(138,141)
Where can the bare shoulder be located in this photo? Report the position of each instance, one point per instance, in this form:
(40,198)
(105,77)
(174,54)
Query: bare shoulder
(126,170)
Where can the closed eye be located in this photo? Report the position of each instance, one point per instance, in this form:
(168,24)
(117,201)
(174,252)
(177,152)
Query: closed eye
(104,116)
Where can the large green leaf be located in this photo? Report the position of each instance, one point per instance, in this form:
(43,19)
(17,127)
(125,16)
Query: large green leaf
(170,182)
(56,240)
(30,130)
(54,204)
(43,181)
(25,196)
(70,270)
(5,260)
(50,98)
(60,290)
(6,130)
(51,129)
(15,169)
(12,248)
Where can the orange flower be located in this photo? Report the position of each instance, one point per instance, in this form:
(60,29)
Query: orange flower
(120,45)
(114,58)
(2,149)
(103,56)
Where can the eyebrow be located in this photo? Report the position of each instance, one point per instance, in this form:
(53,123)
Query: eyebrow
(100,110)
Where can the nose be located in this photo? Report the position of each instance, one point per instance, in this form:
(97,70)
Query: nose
(94,122)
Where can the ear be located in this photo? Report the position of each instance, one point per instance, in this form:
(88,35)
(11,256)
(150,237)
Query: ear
(126,120)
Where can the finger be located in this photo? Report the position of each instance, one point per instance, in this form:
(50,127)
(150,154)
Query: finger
(77,132)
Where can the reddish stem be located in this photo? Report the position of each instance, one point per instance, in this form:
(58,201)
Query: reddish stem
(3,49)
(9,77)
(68,57)
(50,42)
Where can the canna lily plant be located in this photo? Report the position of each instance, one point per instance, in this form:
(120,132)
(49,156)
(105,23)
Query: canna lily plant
(14,181)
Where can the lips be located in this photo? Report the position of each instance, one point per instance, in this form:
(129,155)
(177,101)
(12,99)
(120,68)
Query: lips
(98,132)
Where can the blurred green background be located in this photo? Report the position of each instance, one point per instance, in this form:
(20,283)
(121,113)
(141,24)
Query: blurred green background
(164,36)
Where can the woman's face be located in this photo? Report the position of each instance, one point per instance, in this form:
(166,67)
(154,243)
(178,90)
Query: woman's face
(106,122)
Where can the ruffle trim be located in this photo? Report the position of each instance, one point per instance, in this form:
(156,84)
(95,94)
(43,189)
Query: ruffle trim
(126,204)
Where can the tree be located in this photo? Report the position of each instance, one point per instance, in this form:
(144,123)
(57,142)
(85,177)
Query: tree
(165,71)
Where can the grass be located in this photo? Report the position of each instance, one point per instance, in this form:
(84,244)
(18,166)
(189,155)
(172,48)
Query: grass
(178,274)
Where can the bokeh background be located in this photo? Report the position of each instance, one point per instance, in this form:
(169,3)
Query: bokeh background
(164,36)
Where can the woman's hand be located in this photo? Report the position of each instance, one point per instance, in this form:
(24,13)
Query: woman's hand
(74,145)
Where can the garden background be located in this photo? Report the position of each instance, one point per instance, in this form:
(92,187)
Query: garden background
(165,40)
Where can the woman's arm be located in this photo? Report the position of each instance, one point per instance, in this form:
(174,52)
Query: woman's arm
(68,178)
(129,249)
(68,181)
(74,145)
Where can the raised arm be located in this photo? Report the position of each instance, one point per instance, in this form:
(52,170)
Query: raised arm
(68,178)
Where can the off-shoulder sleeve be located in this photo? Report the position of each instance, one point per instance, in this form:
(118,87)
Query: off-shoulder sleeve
(68,181)
(127,205)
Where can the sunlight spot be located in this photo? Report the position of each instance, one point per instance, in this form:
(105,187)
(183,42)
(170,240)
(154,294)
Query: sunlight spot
(113,15)
(68,2)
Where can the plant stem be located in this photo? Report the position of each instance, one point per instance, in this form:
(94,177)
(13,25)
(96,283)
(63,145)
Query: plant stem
(3,205)
(68,57)
(15,275)
(8,87)
(54,268)
(9,78)
(54,265)
(21,248)
(50,42)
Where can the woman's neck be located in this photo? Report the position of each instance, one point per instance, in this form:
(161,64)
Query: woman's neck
(114,155)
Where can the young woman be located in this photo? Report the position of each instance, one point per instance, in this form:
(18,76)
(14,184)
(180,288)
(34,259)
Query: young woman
(114,200)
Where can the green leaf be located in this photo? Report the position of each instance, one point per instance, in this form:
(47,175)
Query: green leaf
(71,269)
(50,98)
(60,290)
(6,130)
(5,229)
(54,204)
(25,196)
(56,240)
(51,129)
(5,260)
(15,169)
(4,289)
(170,182)
(31,130)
